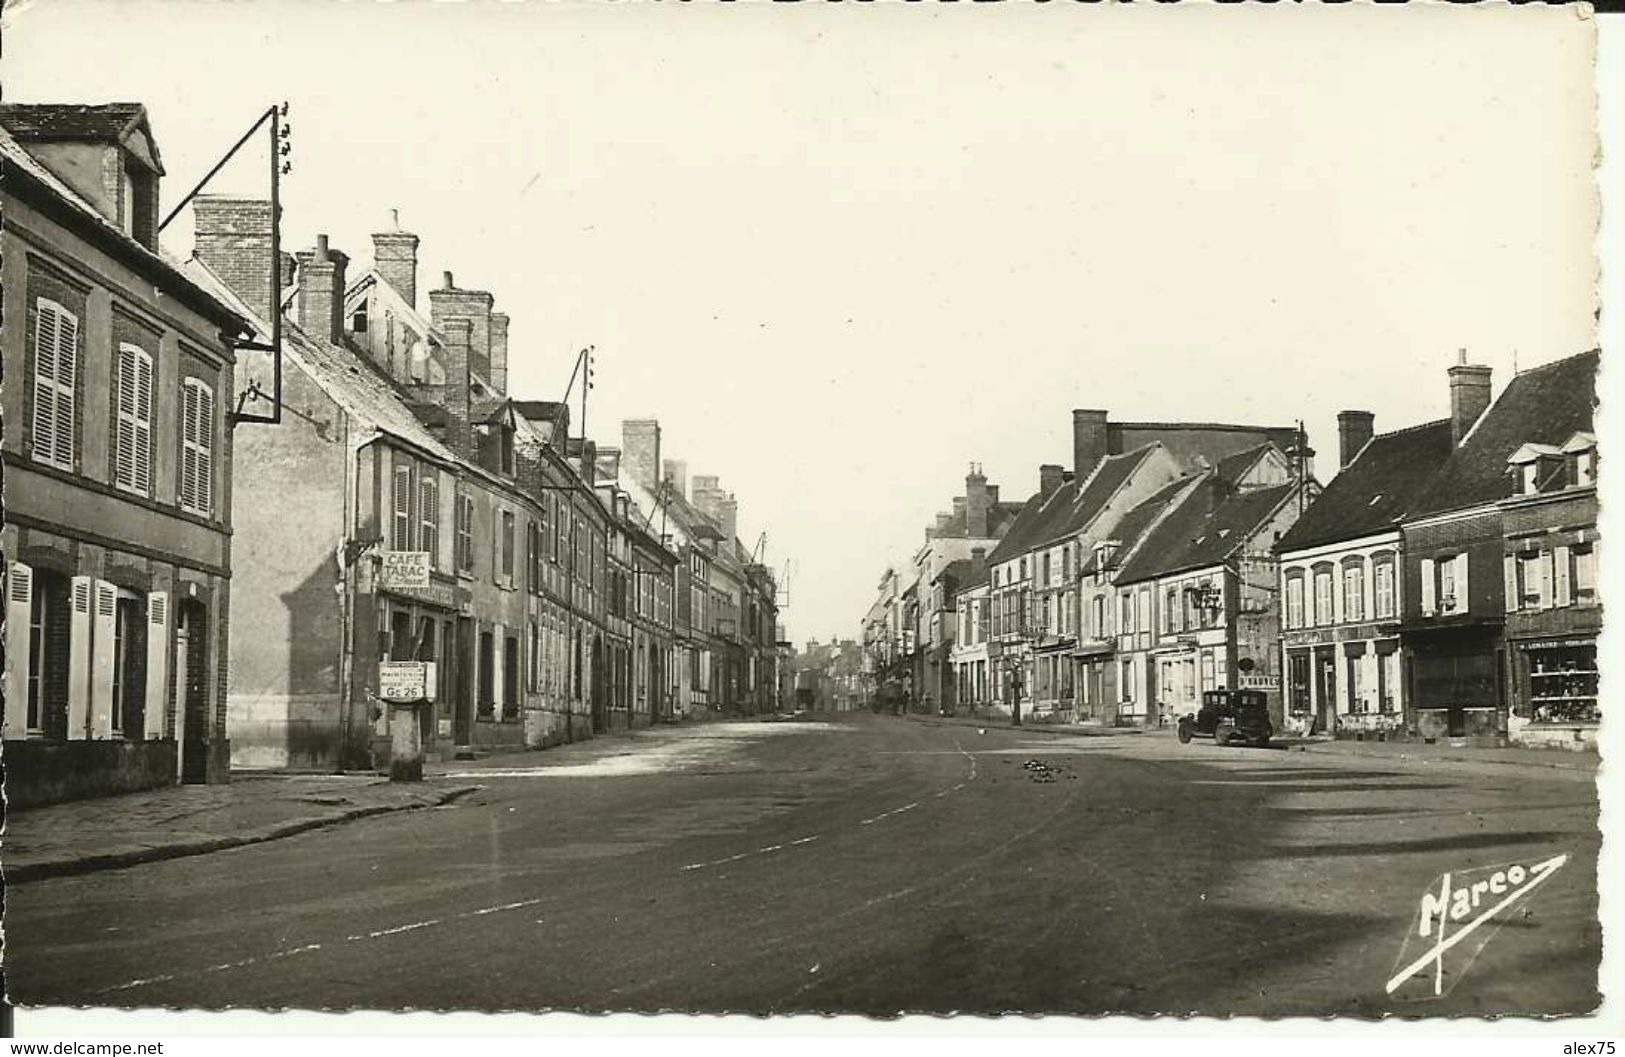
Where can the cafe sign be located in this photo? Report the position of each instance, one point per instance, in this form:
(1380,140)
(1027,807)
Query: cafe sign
(404,569)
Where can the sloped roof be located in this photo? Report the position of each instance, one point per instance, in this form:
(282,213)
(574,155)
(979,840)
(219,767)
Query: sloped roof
(1205,528)
(1544,405)
(1233,468)
(71,120)
(1132,526)
(1386,480)
(350,379)
(1020,532)
(1090,496)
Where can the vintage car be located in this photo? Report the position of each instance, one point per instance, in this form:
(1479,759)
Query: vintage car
(1229,716)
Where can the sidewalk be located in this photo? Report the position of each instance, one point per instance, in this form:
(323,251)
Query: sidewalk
(107,833)
(1401,750)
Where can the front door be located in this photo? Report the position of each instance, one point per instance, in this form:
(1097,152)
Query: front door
(462,703)
(1325,688)
(191,666)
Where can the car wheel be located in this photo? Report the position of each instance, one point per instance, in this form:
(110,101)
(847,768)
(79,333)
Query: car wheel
(1223,735)
(1184,732)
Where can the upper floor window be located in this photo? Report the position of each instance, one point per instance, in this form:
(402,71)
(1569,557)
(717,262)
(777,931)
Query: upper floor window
(400,536)
(465,533)
(1294,600)
(56,368)
(429,517)
(132,442)
(1585,574)
(1323,596)
(197,447)
(1444,584)
(1170,611)
(1354,591)
(1383,588)
(505,546)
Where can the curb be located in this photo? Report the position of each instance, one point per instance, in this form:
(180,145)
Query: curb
(38,871)
(1036,728)
(1488,757)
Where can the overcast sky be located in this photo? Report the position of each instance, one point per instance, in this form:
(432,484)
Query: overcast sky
(841,252)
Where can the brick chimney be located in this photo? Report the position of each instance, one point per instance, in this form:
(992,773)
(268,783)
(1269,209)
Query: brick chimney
(640,445)
(1354,431)
(676,473)
(395,255)
(978,502)
(1469,396)
(1050,477)
(1090,440)
(320,303)
(499,353)
(727,508)
(449,302)
(455,395)
(232,237)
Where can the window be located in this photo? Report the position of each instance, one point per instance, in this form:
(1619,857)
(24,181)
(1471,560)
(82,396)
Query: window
(400,536)
(1354,591)
(1125,681)
(507,546)
(465,533)
(1453,584)
(56,367)
(1294,600)
(358,319)
(197,447)
(1584,576)
(1383,588)
(1323,596)
(1356,690)
(1024,568)
(1207,670)
(1170,611)
(1190,679)
(1582,468)
(1532,581)
(429,517)
(132,441)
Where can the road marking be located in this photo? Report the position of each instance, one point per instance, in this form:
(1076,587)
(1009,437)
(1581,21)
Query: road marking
(498,909)
(748,854)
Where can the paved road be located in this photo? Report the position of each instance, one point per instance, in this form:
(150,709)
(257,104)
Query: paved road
(869,864)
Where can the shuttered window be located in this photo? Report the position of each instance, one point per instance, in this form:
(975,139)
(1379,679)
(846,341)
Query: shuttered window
(197,447)
(429,517)
(56,369)
(132,441)
(400,537)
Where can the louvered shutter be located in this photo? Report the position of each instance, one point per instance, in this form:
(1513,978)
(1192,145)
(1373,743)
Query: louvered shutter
(401,525)
(496,546)
(67,377)
(124,428)
(498,668)
(143,424)
(157,717)
(1430,588)
(1510,571)
(79,642)
(56,368)
(19,652)
(1464,597)
(1561,565)
(197,448)
(104,621)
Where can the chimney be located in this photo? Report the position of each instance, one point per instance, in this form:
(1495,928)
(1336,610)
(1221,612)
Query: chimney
(449,303)
(727,517)
(290,268)
(675,472)
(978,501)
(1089,441)
(499,353)
(640,446)
(1354,431)
(608,464)
(959,510)
(232,237)
(395,255)
(587,462)
(320,304)
(1469,396)
(455,398)
(942,523)
(1050,477)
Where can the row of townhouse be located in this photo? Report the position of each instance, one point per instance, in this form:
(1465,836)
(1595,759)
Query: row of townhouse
(908,636)
(1446,583)
(828,677)
(1442,585)
(403,508)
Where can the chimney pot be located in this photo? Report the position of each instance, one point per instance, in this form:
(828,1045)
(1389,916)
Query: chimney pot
(449,285)
(321,247)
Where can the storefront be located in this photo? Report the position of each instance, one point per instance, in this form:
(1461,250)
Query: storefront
(422,624)
(1456,682)
(1554,691)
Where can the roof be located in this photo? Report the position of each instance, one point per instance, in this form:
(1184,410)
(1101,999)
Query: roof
(350,379)
(1021,529)
(1373,493)
(1233,468)
(1132,526)
(1543,405)
(1203,529)
(166,268)
(108,122)
(1090,496)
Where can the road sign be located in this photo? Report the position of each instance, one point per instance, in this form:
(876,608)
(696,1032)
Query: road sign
(404,569)
(406,680)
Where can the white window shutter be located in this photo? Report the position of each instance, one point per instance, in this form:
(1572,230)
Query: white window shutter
(158,622)
(19,654)
(143,424)
(1561,565)
(104,622)
(1464,594)
(1510,568)
(1430,587)
(79,607)
(124,429)
(498,665)
(67,374)
(401,524)
(496,546)
(205,475)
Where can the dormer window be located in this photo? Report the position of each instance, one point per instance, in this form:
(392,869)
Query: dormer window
(1537,468)
(358,321)
(1580,453)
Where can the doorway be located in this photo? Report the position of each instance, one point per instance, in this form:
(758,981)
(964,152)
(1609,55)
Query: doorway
(191,687)
(1325,688)
(599,720)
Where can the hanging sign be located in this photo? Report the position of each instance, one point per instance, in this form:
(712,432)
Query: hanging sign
(404,569)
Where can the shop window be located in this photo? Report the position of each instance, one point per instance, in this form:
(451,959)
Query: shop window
(1563,684)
